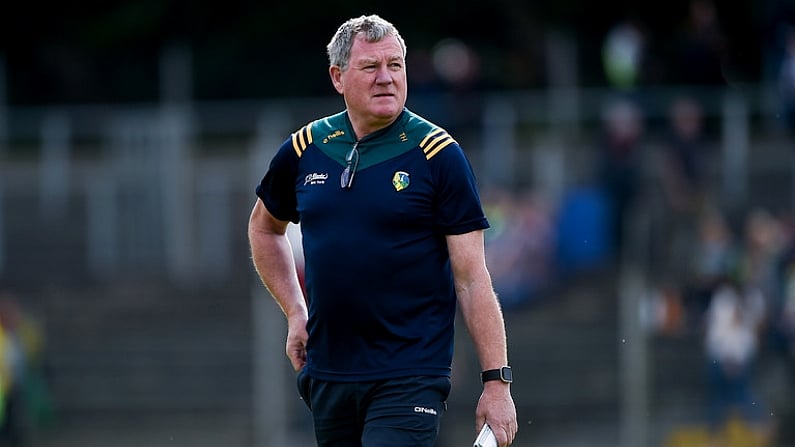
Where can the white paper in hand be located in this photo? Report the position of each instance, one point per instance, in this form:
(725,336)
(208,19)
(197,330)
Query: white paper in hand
(485,438)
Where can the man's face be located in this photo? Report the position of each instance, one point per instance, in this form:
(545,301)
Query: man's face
(374,85)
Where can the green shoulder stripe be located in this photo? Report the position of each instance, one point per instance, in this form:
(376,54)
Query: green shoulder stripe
(301,139)
(435,141)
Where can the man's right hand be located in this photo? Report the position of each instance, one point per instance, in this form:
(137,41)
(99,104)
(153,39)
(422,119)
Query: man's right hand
(296,342)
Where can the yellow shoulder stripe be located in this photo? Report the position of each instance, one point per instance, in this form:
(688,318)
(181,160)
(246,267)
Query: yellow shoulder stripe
(435,142)
(301,139)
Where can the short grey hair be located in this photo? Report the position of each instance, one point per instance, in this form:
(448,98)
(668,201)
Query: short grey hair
(373,27)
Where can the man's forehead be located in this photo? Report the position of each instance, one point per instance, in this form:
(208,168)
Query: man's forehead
(389,45)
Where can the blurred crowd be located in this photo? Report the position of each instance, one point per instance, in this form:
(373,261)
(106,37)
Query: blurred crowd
(735,291)
(719,272)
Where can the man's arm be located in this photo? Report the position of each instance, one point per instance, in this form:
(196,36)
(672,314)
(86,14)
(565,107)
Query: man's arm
(484,321)
(273,259)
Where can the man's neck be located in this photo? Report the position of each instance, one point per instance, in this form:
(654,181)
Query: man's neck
(362,128)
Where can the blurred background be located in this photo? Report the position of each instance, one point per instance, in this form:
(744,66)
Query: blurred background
(636,164)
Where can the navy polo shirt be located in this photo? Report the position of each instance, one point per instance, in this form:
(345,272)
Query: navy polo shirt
(378,280)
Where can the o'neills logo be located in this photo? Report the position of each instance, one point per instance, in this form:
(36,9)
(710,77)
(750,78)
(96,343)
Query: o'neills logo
(331,136)
(425,410)
(315,178)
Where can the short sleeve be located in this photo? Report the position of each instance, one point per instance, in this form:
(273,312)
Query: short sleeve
(277,188)
(459,209)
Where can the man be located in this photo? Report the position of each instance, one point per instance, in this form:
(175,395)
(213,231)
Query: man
(392,231)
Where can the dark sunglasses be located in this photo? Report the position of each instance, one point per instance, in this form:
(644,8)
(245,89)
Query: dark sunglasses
(351,163)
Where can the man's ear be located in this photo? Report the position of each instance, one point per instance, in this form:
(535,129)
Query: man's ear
(336,77)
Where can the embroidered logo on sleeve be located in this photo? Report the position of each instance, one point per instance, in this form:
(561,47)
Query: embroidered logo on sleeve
(400,180)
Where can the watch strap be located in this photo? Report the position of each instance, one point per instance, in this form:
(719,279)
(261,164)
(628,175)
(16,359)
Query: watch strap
(496,374)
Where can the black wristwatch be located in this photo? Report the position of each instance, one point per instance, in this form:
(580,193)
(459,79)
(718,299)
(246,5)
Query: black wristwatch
(503,374)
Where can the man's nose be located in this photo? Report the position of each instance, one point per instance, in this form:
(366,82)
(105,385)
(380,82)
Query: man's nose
(383,76)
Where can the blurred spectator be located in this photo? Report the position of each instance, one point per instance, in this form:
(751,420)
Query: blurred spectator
(784,308)
(428,88)
(714,258)
(732,345)
(700,47)
(619,160)
(784,324)
(623,54)
(12,374)
(763,246)
(786,80)
(737,319)
(782,340)
(685,157)
(520,245)
(684,181)
(584,232)
(25,403)
(457,66)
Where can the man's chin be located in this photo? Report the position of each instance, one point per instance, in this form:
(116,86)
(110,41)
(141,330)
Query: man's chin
(386,112)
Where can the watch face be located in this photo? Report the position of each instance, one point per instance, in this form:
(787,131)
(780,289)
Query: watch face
(506,374)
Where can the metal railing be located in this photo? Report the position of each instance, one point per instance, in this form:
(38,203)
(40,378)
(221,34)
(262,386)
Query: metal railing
(153,178)
(164,190)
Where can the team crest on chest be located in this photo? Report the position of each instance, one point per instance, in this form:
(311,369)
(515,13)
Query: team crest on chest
(400,180)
